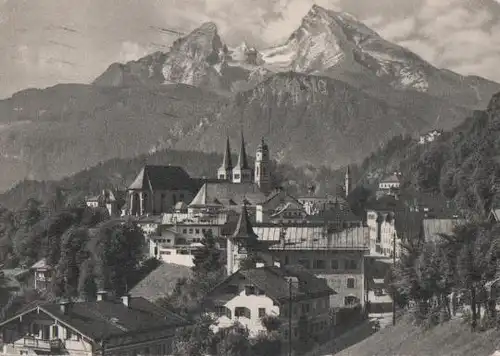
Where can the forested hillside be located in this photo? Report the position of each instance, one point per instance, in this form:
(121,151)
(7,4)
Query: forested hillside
(119,173)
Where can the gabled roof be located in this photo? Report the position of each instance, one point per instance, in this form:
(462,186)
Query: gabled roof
(105,319)
(228,194)
(390,179)
(40,264)
(160,282)
(273,281)
(162,178)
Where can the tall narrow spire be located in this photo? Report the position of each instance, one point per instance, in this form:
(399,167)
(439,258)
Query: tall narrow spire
(225,171)
(242,158)
(227,162)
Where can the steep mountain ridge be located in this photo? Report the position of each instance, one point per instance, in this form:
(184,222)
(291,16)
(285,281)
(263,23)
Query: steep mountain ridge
(354,93)
(311,120)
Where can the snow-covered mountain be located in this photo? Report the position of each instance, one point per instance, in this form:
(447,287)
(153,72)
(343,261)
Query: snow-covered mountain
(327,43)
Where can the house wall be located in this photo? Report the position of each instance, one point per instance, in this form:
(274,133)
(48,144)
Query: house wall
(387,233)
(156,202)
(74,344)
(338,273)
(388,185)
(316,310)
(18,335)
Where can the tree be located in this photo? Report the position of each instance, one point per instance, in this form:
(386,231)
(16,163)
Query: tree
(118,254)
(234,341)
(195,340)
(208,258)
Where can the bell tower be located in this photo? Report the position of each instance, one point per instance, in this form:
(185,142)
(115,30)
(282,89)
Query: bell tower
(347,182)
(262,173)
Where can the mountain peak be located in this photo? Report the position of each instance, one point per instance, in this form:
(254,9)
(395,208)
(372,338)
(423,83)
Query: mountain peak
(208,28)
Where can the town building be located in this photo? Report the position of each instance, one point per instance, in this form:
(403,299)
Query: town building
(281,208)
(429,137)
(111,201)
(433,229)
(129,326)
(390,186)
(249,295)
(337,255)
(42,273)
(157,190)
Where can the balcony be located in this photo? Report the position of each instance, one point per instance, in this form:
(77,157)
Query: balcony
(41,344)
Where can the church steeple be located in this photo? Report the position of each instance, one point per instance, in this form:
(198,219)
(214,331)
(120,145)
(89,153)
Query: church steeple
(242,172)
(262,168)
(225,171)
(241,242)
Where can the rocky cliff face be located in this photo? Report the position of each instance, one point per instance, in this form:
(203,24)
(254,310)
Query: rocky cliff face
(333,92)
(309,120)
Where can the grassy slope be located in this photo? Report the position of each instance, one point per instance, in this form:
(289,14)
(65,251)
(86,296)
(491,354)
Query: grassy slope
(453,338)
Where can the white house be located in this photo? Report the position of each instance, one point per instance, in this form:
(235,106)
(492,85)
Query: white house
(249,295)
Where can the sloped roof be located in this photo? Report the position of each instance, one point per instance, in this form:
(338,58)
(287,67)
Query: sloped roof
(313,237)
(227,163)
(273,281)
(40,264)
(244,230)
(111,318)
(432,228)
(160,282)
(390,179)
(335,213)
(162,178)
(242,157)
(228,194)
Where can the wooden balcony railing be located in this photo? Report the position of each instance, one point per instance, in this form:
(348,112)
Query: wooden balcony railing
(41,344)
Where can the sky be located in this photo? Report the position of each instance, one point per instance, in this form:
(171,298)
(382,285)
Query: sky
(45,42)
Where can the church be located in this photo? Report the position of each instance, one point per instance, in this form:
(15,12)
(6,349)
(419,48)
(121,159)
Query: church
(236,184)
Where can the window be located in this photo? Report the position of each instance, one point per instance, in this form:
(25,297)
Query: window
(69,334)
(236,176)
(319,264)
(190,231)
(242,312)
(335,264)
(184,231)
(197,231)
(55,331)
(350,282)
(352,264)
(36,329)
(305,263)
(45,332)
(221,176)
(350,300)
(249,290)
(262,312)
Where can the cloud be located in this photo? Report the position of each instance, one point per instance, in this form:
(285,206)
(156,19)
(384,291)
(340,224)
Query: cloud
(35,35)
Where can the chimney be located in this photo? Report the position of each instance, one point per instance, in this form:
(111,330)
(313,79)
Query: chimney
(64,306)
(101,295)
(126,299)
